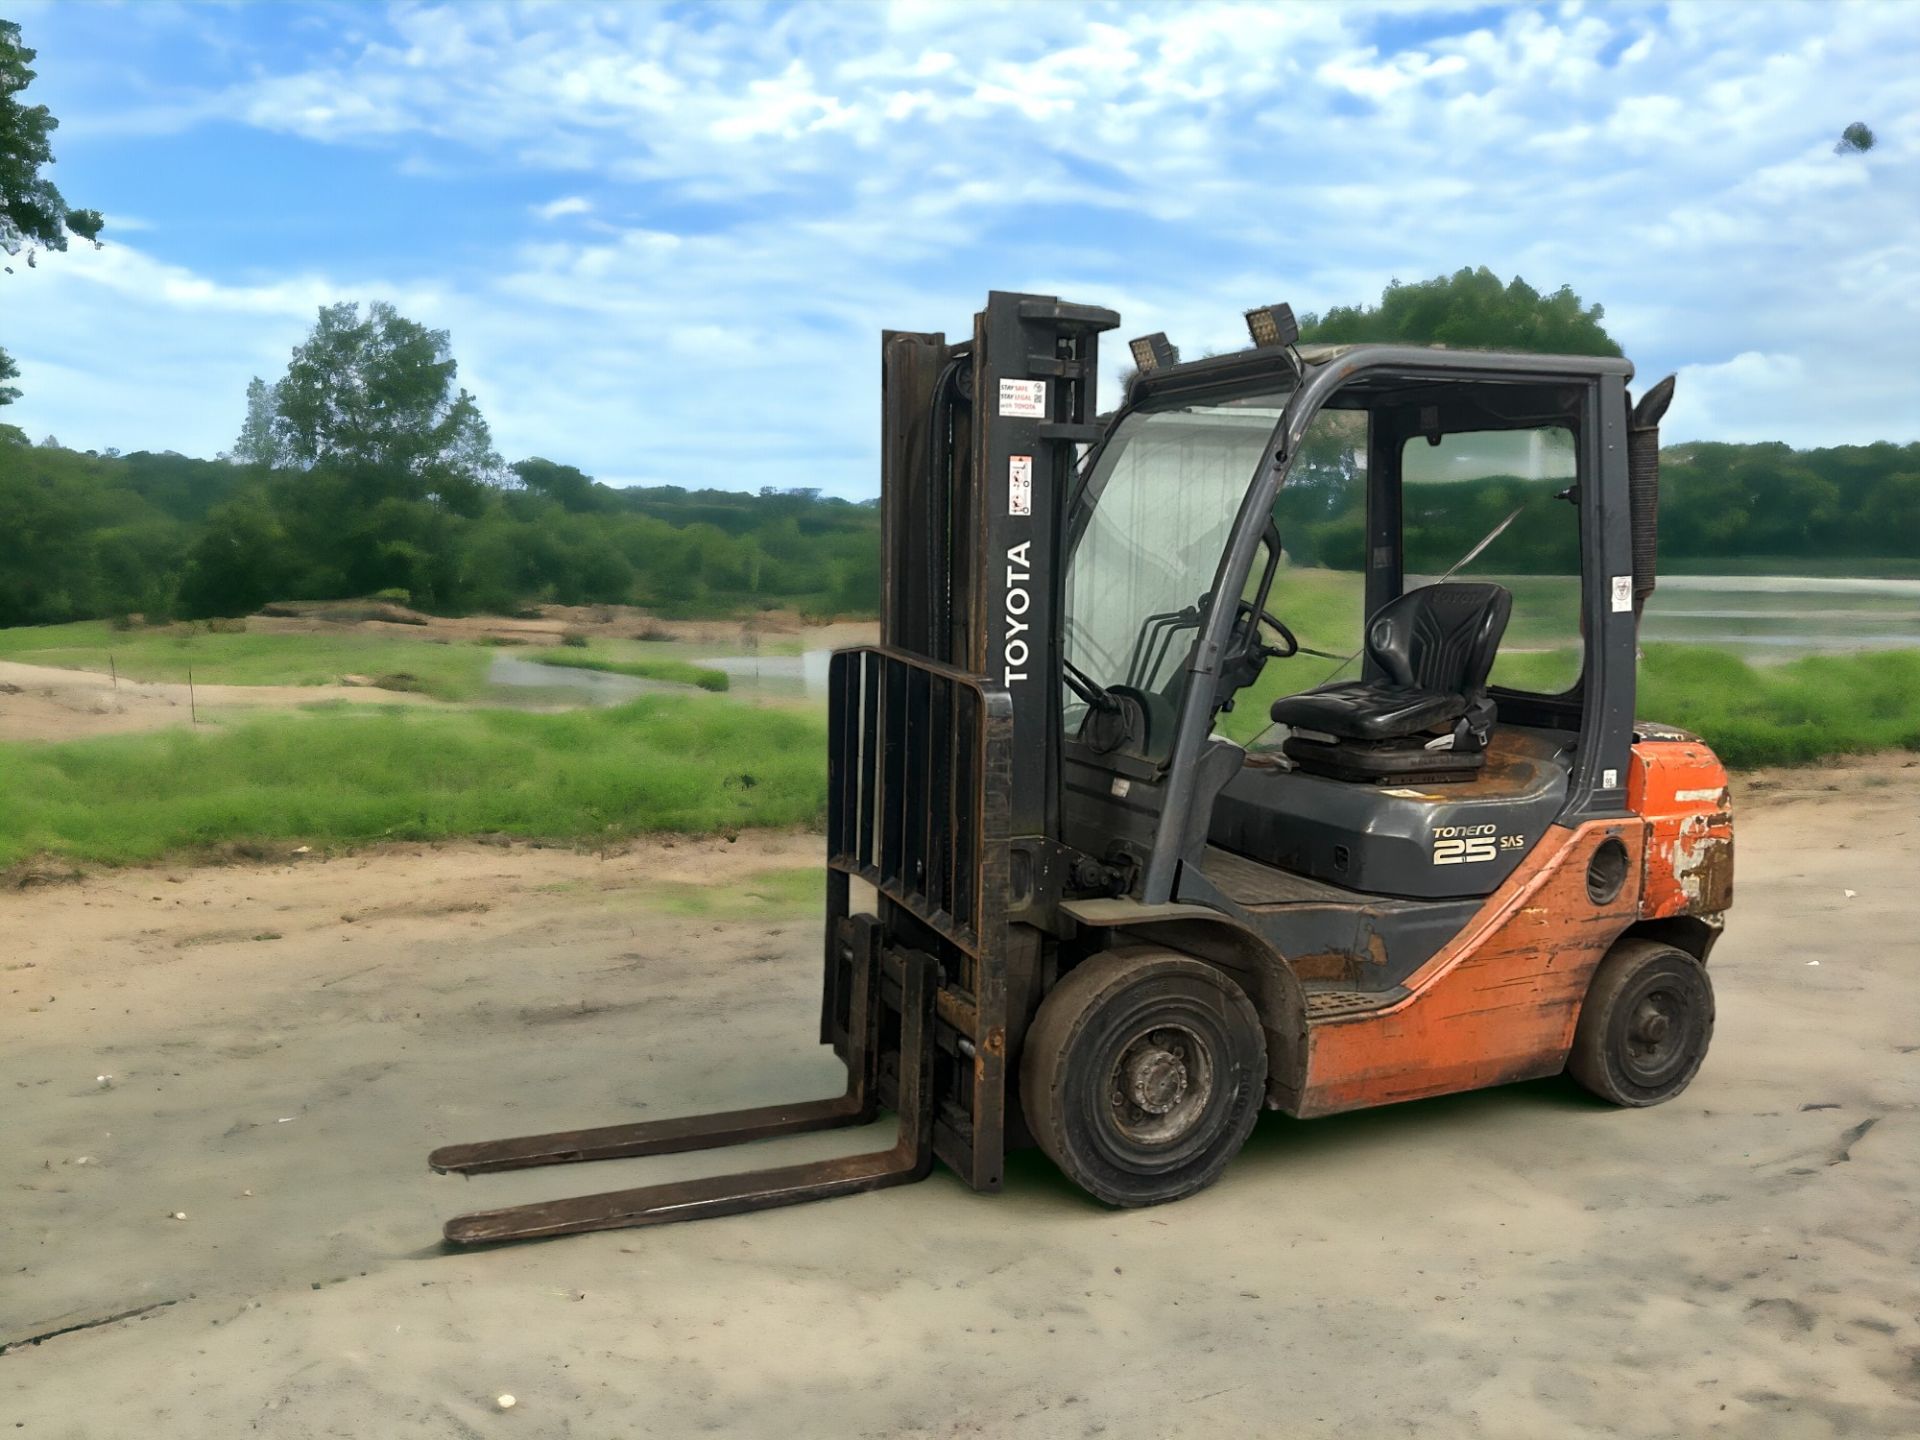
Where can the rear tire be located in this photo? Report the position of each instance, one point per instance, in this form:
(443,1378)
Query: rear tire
(1645,1025)
(1142,1075)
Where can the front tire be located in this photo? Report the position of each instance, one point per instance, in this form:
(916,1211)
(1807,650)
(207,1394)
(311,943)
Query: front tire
(1645,1025)
(1142,1075)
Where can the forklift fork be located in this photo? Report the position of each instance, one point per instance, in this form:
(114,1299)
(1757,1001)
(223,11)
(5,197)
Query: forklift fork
(910,1158)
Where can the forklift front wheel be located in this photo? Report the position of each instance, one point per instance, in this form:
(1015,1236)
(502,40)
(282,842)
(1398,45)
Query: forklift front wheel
(1645,1024)
(1142,1075)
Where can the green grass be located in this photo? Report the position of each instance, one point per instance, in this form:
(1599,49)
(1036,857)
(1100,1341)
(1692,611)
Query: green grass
(448,672)
(661,763)
(1752,715)
(765,895)
(677,672)
(1790,714)
(1858,567)
(1324,607)
(339,773)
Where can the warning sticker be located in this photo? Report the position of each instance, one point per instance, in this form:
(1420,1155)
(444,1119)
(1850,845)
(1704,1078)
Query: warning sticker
(1026,399)
(1622,593)
(1020,484)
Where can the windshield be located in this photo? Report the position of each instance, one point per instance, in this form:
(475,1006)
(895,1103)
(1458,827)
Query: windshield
(1152,524)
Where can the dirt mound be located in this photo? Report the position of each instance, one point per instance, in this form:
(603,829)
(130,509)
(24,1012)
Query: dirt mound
(552,624)
(345,612)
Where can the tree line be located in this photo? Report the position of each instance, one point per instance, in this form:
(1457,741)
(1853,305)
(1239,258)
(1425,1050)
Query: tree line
(94,536)
(366,468)
(165,536)
(1718,502)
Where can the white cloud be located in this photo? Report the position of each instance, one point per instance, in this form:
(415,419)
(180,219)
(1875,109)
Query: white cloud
(1753,396)
(857,168)
(564,206)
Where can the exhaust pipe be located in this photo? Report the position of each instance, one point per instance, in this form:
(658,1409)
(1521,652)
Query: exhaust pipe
(1643,488)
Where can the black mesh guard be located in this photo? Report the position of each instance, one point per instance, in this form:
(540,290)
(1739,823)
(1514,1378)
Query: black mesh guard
(1643,487)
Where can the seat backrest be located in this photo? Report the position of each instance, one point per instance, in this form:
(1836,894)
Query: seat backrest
(1441,637)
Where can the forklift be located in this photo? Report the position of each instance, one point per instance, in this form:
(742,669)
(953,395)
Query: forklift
(1064,910)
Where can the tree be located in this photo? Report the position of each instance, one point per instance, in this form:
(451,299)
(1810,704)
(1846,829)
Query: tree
(373,398)
(1469,310)
(32,211)
(376,455)
(573,489)
(239,562)
(1856,139)
(258,444)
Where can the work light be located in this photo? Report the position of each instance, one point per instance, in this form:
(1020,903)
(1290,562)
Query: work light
(1272,325)
(1153,352)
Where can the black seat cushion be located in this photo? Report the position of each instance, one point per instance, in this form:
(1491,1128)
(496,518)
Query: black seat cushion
(1434,648)
(1367,710)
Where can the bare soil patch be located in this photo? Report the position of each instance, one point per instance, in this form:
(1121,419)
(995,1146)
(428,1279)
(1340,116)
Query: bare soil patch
(286,1041)
(39,702)
(550,624)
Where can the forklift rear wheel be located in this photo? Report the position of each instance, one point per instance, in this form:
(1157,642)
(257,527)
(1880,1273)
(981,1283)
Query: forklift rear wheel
(1142,1075)
(1645,1025)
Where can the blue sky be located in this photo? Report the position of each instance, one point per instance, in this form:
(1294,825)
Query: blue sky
(665,238)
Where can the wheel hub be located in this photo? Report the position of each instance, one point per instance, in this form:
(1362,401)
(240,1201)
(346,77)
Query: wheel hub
(1160,1086)
(1156,1080)
(1657,1038)
(1651,1024)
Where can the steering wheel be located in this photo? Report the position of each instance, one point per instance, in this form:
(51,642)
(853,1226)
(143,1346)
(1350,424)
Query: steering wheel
(1247,615)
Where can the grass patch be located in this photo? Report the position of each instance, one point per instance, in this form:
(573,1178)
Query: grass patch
(1787,714)
(766,894)
(1848,567)
(1752,715)
(677,672)
(660,763)
(448,672)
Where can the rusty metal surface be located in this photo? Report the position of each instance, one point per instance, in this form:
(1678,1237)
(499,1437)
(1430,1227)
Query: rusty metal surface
(656,1137)
(919,808)
(1322,1003)
(1496,1004)
(909,1159)
(1513,763)
(1681,789)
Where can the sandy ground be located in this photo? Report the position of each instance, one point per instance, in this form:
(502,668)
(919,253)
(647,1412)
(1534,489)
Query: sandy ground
(39,702)
(285,1043)
(546,624)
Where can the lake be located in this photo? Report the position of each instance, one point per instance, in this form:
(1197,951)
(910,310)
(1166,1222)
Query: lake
(1779,617)
(1764,618)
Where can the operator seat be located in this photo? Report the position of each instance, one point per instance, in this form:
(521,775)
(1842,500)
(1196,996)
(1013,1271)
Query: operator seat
(1428,718)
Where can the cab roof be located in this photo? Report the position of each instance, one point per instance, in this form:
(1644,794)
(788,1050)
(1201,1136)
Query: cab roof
(1387,364)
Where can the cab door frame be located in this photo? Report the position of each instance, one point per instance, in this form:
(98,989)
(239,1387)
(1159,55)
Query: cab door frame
(1605,698)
